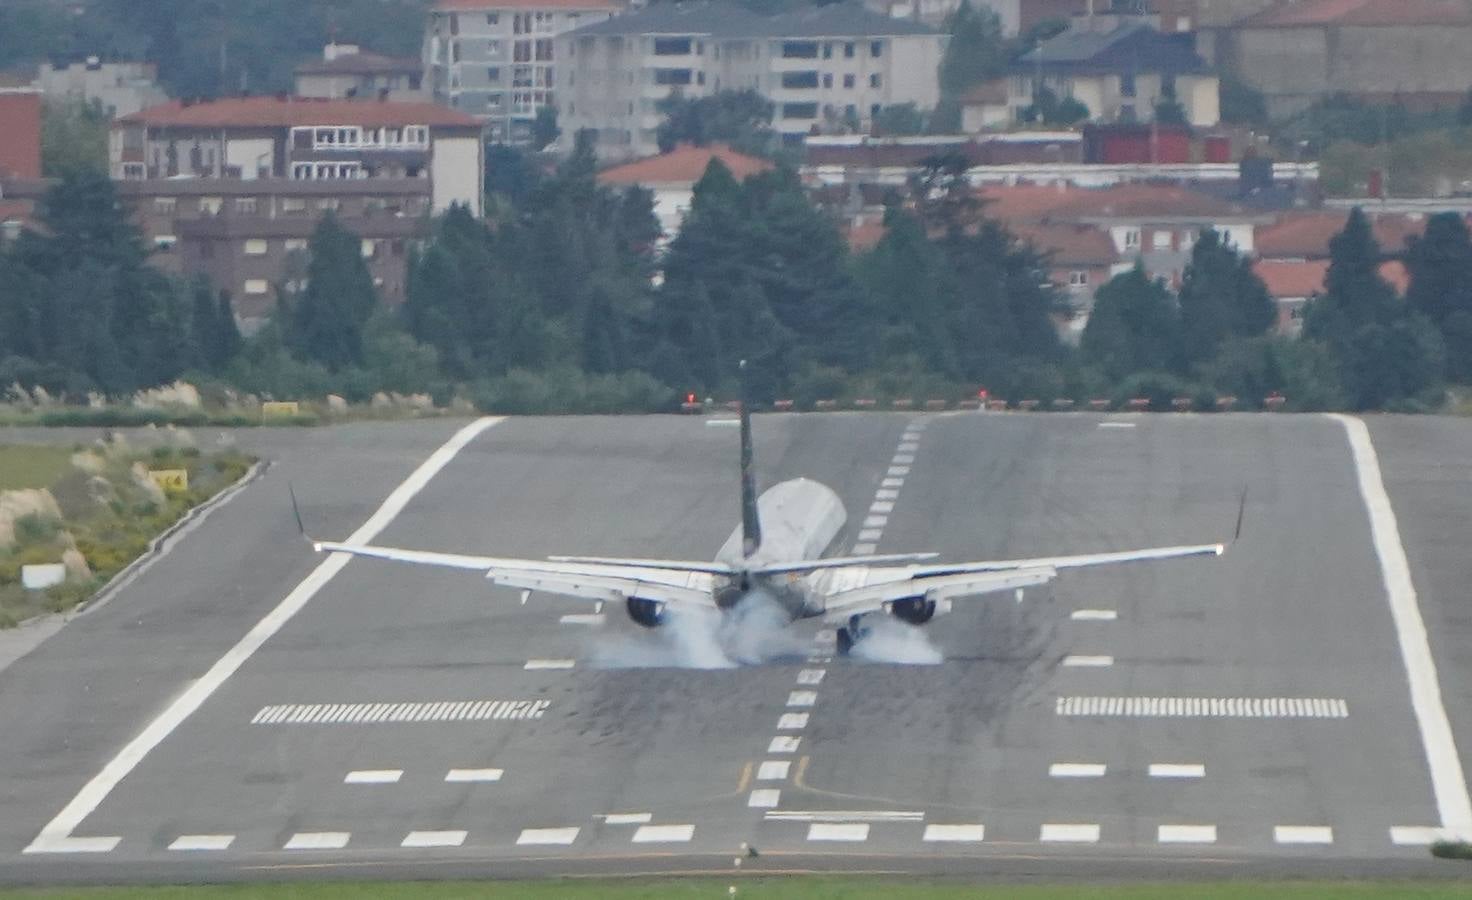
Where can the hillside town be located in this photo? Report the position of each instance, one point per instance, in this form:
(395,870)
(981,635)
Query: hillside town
(1100,138)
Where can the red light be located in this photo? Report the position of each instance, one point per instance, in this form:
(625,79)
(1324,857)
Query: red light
(981,394)
(690,397)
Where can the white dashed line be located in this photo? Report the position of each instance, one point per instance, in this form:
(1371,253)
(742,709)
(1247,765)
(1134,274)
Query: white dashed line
(202,842)
(773,770)
(1303,834)
(533,665)
(1204,707)
(56,834)
(1414,836)
(1448,782)
(783,745)
(898,471)
(1069,834)
(824,831)
(627,818)
(871,534)
(969,834)
(433,839)
(1116,424)
(908,447)
(664,834)
(1177,770)
(546,836)
(1186,834)
(863,549)
(461,776)
(810,676)
(886,494)
(1077,770)
(904,459)
(764,798)
(374,776)
(1088,662)
(792,722)
(318,840)
(876,521)
(892,483)
(583,619)
(802,698)
(1094,615)
(881,506)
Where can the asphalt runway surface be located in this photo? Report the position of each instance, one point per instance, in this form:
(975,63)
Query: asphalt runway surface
(1251,714)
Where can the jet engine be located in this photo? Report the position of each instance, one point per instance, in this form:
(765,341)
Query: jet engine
(914,610)
(649,613)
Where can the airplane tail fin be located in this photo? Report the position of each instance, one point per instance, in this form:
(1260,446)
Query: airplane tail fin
(751,526)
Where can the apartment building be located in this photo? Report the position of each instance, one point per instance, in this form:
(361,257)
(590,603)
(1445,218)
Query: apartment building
(495,59)
(346,71)
(823,68)
(122,88)
(232,189)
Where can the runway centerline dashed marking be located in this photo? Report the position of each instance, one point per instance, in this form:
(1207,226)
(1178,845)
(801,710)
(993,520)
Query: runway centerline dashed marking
(202,842)
(773,770)
(876,521)
(1069,833)
(1088,662)
(626,818)
(318,840)
(434,839)
(1094,615)
(898,471)
(764,798)
(468,776)
(802,698)
(534,665)
(971,834)
(811,676)
(1177,770)
(1303,834)
(1204,707)
(783,745)
(825,831)
(870,534)
(1186,834)
(792,722)
(1077,770)
(664,834)
(373,776)
(401,712)
(537,837)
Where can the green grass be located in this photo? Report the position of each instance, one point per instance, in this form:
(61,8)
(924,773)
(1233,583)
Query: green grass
(31,467)
(796,888)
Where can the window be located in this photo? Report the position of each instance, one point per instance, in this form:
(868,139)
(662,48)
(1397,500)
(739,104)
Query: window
(799,110)
(1078,279)
(799,80)
(1160,240)
(700,77)
(164,206)
(454,51)
(327,204)
(827,80)
(245,206)
(1127,84)
(256,247)
(293,205)
(521,76)
(454,23)
(799,49)
(521,51)
(848,50)
(211,206)
(876,49)
(544,51)
(827,49)
(875,80)
(255,287)
(493,49)
(369,248)
(671,76)
(493,18)
(671,46)
(1132,237)
(848,81)
(493,74)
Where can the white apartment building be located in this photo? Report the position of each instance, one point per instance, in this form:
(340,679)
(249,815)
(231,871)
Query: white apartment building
(823,68)
(122,88)
(494,59)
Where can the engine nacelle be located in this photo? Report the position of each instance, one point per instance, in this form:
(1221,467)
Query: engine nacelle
(914,610)
(649,613)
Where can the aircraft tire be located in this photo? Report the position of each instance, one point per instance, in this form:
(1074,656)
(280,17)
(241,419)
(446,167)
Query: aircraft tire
(845,642)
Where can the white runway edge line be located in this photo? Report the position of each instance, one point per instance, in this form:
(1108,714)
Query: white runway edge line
(392,713)
(1448,782)
(1204,707)
(56,835)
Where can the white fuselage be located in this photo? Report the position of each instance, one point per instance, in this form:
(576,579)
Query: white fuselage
(800,520)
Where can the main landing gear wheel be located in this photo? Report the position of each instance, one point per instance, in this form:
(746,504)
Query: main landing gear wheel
(851,634)
(845,642)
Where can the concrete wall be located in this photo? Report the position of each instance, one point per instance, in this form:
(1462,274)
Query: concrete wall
(457,171)
(1201,96)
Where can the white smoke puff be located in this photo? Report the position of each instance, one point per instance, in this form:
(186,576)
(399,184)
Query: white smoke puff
(894,642)
(685,641)
(757,631)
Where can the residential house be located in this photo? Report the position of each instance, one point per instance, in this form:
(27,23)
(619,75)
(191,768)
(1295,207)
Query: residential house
(671,178)
(346,72)
(1120,68)
(1407,52)
(822,67)
(496,59)
(1079,258)
(1294,283)
(232,189)
(122,88)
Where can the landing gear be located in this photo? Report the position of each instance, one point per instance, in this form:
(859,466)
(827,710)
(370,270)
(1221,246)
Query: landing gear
(851,634)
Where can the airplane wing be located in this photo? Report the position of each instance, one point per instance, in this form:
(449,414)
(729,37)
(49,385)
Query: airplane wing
(871,589)
(663,581)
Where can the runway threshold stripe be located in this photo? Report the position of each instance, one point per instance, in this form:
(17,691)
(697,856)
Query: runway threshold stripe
(1303,834)
(1077,770)
(434,839)
(971,834)
(1186,834)
(1069,834)
(664,834)
(202,842)
(823,831)
(318,840)
(379,713)
(373,776)
(56,835)
(1203,707)
(470,776)
(535,837)
(1177,770)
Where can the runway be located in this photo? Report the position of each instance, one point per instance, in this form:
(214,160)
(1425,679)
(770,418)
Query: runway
(1252,713)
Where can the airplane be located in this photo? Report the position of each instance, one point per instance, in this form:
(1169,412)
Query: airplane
(776,550)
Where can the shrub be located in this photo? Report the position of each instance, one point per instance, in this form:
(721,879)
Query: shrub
(1452,850)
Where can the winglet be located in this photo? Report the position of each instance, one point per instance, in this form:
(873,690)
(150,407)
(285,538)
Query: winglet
(297,513)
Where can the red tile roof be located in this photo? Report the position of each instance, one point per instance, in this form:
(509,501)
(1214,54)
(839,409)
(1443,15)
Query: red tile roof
(1070,245)
(267,112)
(684,164)
(478,5)
(1306,235)
(1361,12)
(1288,279)
(1144,202)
